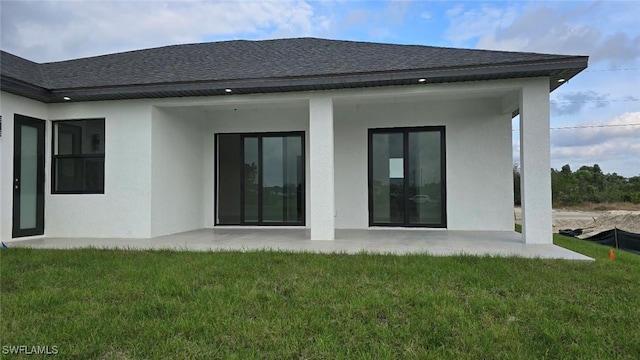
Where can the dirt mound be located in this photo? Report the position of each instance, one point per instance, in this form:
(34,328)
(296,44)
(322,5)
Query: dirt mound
(625,220)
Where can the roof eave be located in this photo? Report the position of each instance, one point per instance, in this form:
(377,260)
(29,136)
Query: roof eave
(28,90)
(564,68)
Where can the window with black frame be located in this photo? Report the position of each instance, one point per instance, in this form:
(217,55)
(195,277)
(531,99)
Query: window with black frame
(78,157)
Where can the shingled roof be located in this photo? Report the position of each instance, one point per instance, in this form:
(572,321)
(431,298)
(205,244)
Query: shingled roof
(269,66)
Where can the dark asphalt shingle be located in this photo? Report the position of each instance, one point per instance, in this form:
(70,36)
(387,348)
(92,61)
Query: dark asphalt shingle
(22,69)
(240,59)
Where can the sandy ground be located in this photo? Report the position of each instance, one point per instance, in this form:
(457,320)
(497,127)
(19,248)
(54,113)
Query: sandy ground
(592,222)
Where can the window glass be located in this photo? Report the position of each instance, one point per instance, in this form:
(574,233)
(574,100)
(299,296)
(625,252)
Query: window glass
(78,156)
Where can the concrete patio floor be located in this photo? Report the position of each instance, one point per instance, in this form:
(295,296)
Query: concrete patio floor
(434,242)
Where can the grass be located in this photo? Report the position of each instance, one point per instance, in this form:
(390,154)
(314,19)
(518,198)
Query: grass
(120,304)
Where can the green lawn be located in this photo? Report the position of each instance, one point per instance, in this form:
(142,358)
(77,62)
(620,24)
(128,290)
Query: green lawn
(117,304)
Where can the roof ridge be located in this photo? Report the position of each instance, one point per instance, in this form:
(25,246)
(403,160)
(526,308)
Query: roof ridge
(222,42)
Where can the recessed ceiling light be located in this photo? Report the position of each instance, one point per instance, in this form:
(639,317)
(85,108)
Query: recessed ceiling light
(228,90)
(561,80)
(66,98)
(422,80)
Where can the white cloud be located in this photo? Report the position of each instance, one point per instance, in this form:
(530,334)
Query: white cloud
(601,152)
(470,24)
(546,29)
(455,11)
(28,28)
(620,156)
(573,102)
(614,131)
(425,15)
(396,11)
(614,147)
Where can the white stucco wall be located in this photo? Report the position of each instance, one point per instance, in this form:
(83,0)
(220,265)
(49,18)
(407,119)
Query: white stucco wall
(124,210)
(176,172)
(159,163)
(479,161)
(9,106)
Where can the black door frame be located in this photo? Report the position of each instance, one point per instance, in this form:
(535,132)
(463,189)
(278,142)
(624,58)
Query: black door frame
(405,156)
(39,124)
(259,136)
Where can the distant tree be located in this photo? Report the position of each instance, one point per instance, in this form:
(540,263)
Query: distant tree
(250,174)
(595,169)
(587,184)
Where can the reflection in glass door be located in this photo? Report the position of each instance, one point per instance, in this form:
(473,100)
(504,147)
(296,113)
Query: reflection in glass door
(388,178)
(251,194)
(260,179)
(407,177)
(282,179)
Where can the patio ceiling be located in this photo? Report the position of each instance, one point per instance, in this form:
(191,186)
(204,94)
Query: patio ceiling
(505,93)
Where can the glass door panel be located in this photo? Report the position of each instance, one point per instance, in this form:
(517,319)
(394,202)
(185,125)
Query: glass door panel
(229,174)
(273,166)
(425,185)
(294,175)
(251,185)
(28,176)
(387,178)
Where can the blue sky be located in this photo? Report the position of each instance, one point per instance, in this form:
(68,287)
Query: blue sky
(605,96)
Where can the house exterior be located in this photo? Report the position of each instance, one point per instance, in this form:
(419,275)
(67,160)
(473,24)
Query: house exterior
(305,132)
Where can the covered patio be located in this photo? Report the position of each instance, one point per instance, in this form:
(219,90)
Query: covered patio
(347,241)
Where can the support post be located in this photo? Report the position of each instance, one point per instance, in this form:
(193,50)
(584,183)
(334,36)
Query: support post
(535,162)
(321,169)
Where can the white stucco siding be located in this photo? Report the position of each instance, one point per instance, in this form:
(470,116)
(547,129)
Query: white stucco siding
(535,158)
(124,210)
(322,155)
(248,118)
(480,168)
(176,172)
(351,168)
(479,161)
(9,106)
(160,155)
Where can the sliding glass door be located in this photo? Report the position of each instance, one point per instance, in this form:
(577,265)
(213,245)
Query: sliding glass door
(260,179)
(407,177)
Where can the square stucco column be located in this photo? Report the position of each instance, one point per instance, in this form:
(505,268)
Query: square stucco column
(535,163)
(321,168)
